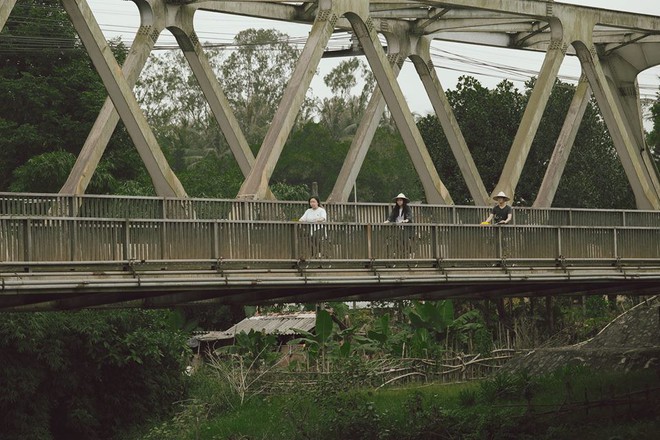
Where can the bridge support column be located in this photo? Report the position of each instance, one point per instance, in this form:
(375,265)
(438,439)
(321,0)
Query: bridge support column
(435,190)
(531,118)
(426,70)
(256,184)
(629,152)
(564,145)
(367,128)
(165,181)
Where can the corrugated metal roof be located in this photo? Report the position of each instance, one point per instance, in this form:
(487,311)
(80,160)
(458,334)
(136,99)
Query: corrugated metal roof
(270,324)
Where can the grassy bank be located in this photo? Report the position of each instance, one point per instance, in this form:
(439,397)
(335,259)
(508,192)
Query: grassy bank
(569,404)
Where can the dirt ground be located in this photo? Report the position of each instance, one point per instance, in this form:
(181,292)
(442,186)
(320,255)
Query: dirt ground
(631,342)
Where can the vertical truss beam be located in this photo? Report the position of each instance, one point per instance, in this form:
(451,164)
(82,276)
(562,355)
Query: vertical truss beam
(564,145)
(165,181)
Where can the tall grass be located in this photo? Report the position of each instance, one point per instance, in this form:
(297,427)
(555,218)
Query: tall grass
(568,404)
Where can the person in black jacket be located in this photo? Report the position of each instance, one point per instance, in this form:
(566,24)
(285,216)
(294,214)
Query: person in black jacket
(401,212)
(400,242)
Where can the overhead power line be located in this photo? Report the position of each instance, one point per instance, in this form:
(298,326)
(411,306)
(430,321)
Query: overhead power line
(442,59)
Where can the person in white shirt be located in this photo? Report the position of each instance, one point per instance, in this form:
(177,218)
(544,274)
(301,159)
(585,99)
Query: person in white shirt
(315,215)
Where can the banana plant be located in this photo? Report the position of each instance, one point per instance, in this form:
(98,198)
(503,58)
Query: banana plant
(319,342)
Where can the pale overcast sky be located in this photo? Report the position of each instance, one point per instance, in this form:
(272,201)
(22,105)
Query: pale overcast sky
(120,18)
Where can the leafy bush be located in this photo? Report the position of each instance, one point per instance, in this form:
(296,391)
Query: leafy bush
(87,374)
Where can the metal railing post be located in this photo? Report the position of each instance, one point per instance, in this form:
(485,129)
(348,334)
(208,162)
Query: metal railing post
(127,240)
(163,241)
(559,247)
(27,252)
(74,240)
(295,243)
(216,240)
(164,207)
(369,242)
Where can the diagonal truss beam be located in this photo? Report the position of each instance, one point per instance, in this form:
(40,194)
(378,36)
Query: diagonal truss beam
(165,181)
(106,122)
(256,183)
(640,180)
(367,128)
(435,190)
(531,118)
(444,112)
(6,7)
(564,145)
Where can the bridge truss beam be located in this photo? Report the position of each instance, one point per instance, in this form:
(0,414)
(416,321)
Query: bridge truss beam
(613,48)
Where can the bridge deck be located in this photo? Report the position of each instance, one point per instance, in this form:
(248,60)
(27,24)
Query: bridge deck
(49,263)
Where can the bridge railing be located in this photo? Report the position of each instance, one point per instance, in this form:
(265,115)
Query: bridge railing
(99,206)
(59,239)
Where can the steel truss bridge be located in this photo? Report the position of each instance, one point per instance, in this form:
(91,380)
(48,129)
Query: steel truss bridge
(70,252)
(73,251)
(612,47)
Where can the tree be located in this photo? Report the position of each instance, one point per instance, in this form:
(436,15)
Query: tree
(489,120)
(388,170)
(87,374)
(254,77)
(49,98)
(342,112)
(311,155)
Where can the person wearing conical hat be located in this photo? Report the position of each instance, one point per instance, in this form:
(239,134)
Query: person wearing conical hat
(401,212)
(501,214)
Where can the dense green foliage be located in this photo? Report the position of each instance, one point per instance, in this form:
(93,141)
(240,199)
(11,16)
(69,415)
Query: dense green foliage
(87,374)
(489,120)
(569,404)
(49,100)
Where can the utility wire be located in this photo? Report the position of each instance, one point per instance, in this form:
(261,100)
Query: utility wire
(442,59)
